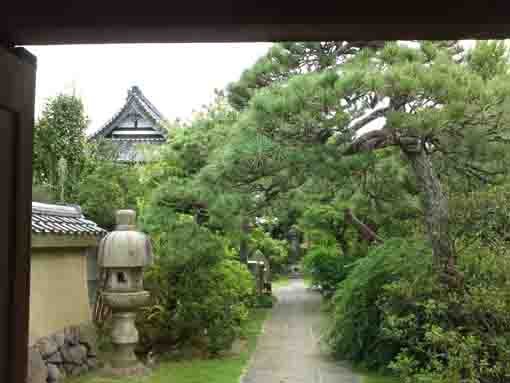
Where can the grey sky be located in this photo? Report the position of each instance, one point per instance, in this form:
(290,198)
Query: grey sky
(177,78)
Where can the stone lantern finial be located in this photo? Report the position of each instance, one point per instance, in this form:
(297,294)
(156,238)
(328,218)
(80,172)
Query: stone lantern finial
(125,220)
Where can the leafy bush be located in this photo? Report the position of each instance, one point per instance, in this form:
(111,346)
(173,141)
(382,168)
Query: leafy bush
(327,267)
(201,294)
(355,332)
(453,335)
(43,193)
(274,250)
(392,312)
(110,186)
(264,301)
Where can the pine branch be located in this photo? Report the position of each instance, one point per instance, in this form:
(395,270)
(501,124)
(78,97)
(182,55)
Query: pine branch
(367,232)
(369,118)
(371,141)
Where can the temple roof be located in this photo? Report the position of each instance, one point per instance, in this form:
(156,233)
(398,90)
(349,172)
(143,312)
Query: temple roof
(137,120)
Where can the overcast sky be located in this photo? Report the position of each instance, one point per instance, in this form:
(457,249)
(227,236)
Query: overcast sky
(176,78)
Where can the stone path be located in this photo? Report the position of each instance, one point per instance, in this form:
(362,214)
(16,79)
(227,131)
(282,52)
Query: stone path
(288,350)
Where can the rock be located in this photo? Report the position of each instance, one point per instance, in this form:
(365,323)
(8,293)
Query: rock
(59,338)
(66,355)
(68,368)
(79,370)
(87,336)
(92,363)
(76,333)
(92,352)
(47,347)
(37,370)
(54,374)
(71,336)
(55,358)
(74,354)
(82,353)
(75,371)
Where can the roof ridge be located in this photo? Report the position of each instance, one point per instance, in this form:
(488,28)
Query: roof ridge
(151,110)
(56,210)
(62,219)
(149,104)
(111,120)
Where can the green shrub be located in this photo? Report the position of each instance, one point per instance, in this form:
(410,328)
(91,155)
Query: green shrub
(110,186)
(450,336)
(392,313)
(43,193)
(327,267)
(264,301)
(355,332)
(274,250)
(201,294)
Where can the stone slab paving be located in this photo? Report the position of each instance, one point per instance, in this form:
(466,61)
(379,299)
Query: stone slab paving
(288,350)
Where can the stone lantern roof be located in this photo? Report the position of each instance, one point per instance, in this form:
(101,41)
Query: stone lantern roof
(125,247)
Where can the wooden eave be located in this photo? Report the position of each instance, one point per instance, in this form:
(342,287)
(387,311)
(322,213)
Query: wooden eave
(42,23)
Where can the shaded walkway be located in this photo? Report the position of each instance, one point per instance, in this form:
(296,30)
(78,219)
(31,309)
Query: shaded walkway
(288,350)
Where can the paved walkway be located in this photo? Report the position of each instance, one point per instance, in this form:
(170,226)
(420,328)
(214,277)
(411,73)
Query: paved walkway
(288,350)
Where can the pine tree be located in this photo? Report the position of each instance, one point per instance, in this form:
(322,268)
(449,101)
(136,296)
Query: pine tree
(307,107)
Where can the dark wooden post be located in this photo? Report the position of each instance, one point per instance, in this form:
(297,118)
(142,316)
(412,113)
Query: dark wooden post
(17,95)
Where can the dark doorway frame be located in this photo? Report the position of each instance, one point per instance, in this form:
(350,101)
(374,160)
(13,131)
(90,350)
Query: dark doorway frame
(150,27)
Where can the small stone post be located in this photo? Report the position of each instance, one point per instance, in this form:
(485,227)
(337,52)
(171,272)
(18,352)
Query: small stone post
(260,273)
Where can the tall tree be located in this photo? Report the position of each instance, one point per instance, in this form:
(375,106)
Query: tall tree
(59,137)
(435,104)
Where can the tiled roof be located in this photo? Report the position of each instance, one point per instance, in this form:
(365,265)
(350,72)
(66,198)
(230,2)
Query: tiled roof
(57,219)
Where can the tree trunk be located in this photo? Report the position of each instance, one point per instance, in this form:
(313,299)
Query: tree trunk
(435,204)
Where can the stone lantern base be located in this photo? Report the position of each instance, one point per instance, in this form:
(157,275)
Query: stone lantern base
(123,361)
(125,338)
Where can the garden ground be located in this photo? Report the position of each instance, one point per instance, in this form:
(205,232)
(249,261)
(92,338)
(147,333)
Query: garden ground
(288,350)
(227,369)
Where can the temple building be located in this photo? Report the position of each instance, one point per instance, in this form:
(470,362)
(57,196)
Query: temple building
(137,122)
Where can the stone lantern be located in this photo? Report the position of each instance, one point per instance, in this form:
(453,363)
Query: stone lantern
(123,254)
(262,273)
(295,246)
